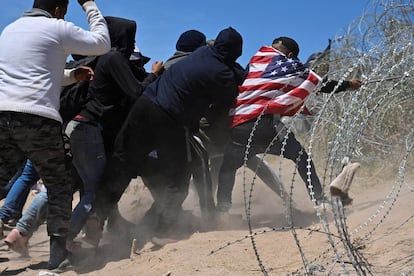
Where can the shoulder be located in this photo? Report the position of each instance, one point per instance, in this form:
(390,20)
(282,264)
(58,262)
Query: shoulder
(63,25)
(207,59)
(175,58)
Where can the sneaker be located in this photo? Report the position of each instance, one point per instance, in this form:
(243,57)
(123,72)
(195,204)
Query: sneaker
(58,253)
(47,273)
(13,221)
(18,243)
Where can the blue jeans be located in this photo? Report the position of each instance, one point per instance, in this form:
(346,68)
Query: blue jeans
(34,216)
(4,190)
(89,159)
(17,196)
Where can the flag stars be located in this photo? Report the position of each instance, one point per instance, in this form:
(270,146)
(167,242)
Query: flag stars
(282,66)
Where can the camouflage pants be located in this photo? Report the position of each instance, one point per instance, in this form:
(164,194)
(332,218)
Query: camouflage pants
(25,136)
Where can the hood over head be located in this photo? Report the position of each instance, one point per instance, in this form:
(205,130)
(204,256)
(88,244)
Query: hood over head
(122,33)
(190,40)
(229,45)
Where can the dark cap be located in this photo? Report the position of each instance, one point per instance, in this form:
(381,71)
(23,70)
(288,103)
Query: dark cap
(289,43)
(139,57)
(190,41)
(49,5)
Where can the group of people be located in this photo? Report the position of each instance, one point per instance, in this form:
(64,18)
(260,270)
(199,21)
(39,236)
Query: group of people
(135,123)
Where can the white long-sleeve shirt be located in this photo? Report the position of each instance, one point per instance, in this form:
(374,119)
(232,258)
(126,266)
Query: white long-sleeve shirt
(33,52)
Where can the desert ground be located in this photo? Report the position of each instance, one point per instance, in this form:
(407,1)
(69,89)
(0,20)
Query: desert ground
(378,226)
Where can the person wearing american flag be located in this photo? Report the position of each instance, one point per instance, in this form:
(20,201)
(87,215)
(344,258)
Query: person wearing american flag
(276,85)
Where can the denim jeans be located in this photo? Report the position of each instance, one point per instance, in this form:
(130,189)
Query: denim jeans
(34,216)
(4,190)
(89,159)
(16,198)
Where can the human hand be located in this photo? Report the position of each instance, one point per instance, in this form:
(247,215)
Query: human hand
(157,68)
(355,84)
(81,2)
(84,73)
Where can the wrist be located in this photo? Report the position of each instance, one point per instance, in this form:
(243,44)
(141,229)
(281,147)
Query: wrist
(89,5)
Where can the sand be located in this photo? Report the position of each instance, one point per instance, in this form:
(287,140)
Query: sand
(378,225)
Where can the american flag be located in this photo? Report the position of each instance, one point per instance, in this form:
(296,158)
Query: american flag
(276,84)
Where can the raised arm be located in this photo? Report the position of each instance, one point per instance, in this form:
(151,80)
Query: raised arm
(96,41)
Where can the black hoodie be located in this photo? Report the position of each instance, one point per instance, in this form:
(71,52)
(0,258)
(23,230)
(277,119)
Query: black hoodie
(115,87)
(210,75)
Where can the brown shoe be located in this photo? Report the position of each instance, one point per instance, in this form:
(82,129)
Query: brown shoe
(93,230)
(18,243)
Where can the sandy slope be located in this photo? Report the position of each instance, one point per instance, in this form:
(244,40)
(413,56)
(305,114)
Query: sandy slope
(379,222)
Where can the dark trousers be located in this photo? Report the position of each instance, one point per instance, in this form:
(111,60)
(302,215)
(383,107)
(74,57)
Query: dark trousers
(25,136)
(148,129)
(267,129)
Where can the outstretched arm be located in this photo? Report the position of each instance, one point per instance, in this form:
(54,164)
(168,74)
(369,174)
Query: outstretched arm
(329,85)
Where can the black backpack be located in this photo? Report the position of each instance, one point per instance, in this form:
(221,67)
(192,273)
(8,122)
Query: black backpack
(74,96)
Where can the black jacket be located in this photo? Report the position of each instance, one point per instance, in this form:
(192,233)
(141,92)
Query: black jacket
(208,76)
(115,86)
